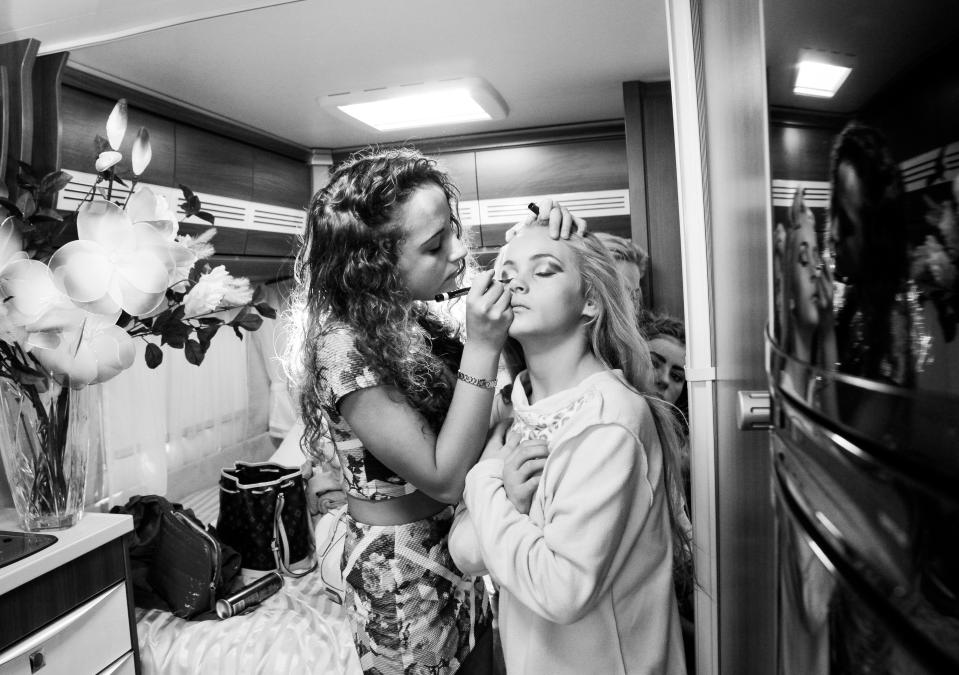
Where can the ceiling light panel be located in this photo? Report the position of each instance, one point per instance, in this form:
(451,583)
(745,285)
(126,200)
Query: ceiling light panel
(420,105)
(821,73)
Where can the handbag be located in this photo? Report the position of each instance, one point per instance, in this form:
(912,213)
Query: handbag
(177,564)
(264,514)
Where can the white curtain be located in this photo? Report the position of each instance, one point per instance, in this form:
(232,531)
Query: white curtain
(158,421)
(270,342)
(135,429)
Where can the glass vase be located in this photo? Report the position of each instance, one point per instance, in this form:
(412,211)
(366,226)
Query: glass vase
(46,438)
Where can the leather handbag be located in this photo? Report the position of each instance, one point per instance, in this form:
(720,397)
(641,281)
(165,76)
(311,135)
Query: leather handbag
(264,514)
(177,564)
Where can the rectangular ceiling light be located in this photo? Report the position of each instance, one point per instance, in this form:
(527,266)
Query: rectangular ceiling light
(821,73)
(421,105)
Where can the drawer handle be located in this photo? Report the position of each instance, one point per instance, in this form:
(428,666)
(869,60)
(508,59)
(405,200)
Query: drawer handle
(36,661)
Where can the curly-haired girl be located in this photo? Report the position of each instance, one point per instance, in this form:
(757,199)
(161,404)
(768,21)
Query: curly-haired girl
(405,403)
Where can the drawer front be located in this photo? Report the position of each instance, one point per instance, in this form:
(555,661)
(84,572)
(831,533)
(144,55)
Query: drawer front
(87,640)
(125,665)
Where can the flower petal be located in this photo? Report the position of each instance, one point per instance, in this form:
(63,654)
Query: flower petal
(82,270)
(105,223)
(137,302)
(145,270)
(11,240)
(29,290)
(114,351)
(142,153)
(76,368)
(107,158)
(117,125)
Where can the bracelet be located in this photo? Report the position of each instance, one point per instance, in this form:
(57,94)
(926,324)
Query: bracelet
(476,381)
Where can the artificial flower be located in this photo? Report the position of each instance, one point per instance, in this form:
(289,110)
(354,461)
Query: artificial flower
(142,153)
(29,291)
(107,159)
(112,266)
(214,290)
(92,350)
(11,241)
(117,124)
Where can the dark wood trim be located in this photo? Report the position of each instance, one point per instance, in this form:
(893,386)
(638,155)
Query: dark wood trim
(131,609)
(513,138)
(18,57)
(47,73)
(4,120)
(633,93)
(180,113)
(798,117)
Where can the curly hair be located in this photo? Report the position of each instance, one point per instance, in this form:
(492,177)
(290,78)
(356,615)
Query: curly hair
(347,273)
(883,259)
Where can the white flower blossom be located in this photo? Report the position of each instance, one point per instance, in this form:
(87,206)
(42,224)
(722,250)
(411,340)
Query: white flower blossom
(215,290)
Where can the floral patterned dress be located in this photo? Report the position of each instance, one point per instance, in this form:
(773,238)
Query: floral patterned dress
(412,611)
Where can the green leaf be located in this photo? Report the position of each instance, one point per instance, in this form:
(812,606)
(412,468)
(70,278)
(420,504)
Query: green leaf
(175,334)
(161,319)
(153,355)
(25,176)
(187,192)
(54,182)
(248,321)
(265,310)
(205,334)
(26,204)
(194,352)
(11,207)
(46,215)
(100,144)
(203,215)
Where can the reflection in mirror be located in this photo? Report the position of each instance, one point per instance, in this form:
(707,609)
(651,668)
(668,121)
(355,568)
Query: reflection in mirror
(864,371)
(876,167)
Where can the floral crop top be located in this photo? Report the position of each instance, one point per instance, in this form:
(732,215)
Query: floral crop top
(344,371)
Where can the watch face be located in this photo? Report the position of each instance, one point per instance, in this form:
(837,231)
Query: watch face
(17,545)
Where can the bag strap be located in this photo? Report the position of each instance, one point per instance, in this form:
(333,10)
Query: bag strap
(280,544)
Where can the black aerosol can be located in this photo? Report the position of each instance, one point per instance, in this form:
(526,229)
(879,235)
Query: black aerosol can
(249,595)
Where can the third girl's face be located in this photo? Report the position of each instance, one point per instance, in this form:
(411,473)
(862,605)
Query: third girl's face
(547,291)
(669,363)
(431,254)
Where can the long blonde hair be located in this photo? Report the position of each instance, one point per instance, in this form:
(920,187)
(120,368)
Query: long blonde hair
(614,337)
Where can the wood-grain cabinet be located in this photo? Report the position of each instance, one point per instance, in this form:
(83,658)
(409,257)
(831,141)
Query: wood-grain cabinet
(69,607)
